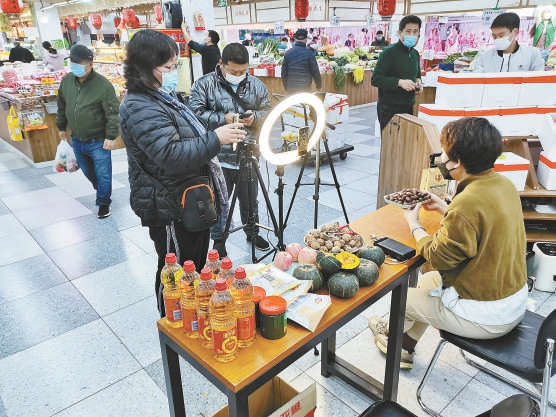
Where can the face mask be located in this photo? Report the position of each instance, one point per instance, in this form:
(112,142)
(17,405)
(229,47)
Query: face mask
(444,171)
(409,41)
(169,81)
(379,38)
(234,79)
(77,69)
(501,44)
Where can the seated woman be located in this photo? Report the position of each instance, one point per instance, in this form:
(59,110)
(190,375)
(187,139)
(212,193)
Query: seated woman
(479,286)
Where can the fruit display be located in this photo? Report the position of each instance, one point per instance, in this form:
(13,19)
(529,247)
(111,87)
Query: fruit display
(293,249)
(408,198)
(283,260)
(307,256)
(343,284)
(372,253)
(333,238)
(309,272)
(367,272)
(328,263)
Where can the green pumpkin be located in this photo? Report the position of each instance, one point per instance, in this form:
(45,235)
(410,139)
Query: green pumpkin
(343,284)
(372,253)
(328,263)
(367,272)
(309,272)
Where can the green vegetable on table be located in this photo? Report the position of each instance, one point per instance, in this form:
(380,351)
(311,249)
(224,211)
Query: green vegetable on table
(339,77)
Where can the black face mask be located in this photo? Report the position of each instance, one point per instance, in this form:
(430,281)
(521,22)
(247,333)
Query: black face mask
(443,170)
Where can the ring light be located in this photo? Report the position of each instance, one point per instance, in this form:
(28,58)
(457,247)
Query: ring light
(285,158)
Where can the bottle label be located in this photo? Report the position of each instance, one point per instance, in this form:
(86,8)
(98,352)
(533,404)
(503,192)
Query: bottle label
(189,318)
(224,342)
(246,327)
(204,329)
(173,309)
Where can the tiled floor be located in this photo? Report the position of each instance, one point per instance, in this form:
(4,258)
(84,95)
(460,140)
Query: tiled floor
(77,311)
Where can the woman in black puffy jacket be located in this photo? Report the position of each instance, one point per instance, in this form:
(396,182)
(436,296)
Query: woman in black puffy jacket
(166,141)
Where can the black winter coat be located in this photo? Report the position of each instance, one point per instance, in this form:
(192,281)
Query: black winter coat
(299,69)
(160,141)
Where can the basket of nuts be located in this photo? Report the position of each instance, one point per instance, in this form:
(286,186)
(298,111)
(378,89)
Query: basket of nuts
(408,198)
(333,238)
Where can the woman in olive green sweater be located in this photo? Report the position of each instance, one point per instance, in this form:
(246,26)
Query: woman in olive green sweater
(479,286)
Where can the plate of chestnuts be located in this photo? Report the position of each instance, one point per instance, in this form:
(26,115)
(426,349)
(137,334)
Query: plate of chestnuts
(408,198)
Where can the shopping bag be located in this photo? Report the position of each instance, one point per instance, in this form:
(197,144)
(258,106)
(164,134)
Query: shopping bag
(65,160)
(13,125)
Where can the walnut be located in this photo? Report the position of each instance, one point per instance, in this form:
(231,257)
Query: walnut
(315,245)
(346,237)
(329,245)
(336,249)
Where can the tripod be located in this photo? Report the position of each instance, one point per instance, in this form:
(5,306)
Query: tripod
(250,163)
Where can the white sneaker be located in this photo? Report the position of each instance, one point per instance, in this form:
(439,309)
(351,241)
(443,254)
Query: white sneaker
(406,359)
(378,325)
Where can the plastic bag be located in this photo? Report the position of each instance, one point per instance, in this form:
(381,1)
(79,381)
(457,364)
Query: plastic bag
(65,158)
(13,125)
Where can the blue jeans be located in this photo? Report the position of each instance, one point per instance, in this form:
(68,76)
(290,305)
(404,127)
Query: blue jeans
(242,184)
(96,164)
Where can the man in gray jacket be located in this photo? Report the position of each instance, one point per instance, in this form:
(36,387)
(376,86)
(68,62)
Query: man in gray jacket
(216,98)
(507,55)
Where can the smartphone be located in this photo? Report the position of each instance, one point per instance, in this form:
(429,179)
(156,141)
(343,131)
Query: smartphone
(245,115)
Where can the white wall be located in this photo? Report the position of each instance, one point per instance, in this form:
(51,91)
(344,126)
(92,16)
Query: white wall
(48,23)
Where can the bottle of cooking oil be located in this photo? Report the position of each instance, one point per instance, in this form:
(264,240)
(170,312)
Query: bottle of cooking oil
(204,290)
(170,276)
(223,322)
(242,291)
(226,271)
(213,262)
(188,281)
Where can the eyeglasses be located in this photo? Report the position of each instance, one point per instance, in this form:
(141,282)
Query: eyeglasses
(175,67)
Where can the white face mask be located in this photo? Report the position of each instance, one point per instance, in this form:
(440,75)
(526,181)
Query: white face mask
(501,44)
(235,79)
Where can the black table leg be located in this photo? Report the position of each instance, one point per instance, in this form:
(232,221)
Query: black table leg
(238,405)
(172,375)
(395,331)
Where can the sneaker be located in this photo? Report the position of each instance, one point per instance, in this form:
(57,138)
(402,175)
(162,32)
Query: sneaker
(406,359)
(259,242)
(378,326)
(220,246)
(103,211)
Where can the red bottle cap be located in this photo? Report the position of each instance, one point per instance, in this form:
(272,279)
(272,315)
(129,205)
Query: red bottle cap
(258,294)
(226,263)
(240,273)
(171,258)
(189,266)
(206,274)
(273,305)
(221,285)
(213,255)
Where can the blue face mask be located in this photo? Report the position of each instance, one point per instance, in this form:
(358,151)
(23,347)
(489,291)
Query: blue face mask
(169,81)
(379,38)
(409,41)
(77,69)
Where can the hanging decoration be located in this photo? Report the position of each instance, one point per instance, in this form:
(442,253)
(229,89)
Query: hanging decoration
(117,21)
(96,20)
(158,12)
(11,6)
(386,7)
(128,16)
(134,23)
(71,22)
(301,9)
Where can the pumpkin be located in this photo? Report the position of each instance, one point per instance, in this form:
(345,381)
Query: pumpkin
(328,264)
(343,284)
(309,272)
(348,260)
(283,260)
(372,253)
(307,256)
(367,272)
(293,249)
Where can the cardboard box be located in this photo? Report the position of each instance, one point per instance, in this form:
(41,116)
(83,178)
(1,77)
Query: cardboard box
(538,88)
(546,171)
(501,89)
(460,90)
(336,138)
(277,398)
(337,108)
(514,167)
(440,115)
(546,131)
(517,121)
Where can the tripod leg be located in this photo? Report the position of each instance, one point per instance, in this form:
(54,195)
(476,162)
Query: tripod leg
(336,183)
(227,232)
(265,195)
(297,184)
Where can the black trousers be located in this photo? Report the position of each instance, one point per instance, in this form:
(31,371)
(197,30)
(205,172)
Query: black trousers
(193,246)
(385,112)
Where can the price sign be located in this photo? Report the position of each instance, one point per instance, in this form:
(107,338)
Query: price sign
(371,21)
(443,19)
(221,3)
(428,54)
(47,80)
(334,20)
(279,28)
(490,14)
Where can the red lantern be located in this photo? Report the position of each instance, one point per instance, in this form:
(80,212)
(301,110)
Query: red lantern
(72,22)
(117,21)
(96,20)
(158,12)
(11,6)
(301,9)
(386,7)
(128,16)
(135,23)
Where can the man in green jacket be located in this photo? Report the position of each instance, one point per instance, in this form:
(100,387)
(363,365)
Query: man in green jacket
(87,103)
(397,74)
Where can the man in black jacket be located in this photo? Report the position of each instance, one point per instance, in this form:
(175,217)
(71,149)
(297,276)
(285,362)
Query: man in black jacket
(210,53)
(19,53)
(300,67)
(216,98)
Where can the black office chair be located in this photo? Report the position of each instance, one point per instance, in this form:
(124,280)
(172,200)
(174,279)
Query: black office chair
(519,405)
(526,351)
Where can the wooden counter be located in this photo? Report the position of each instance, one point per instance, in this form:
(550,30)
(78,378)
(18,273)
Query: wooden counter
(363,93)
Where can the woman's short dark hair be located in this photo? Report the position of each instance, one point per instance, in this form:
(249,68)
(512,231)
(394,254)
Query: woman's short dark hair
(48,46)
(474,141)
(214,37)
(409,19)
(508,20)
(146,50)
(235,52)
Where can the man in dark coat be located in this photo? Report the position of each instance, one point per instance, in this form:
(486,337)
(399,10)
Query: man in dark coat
(19,53)
(300,67)
(210,53)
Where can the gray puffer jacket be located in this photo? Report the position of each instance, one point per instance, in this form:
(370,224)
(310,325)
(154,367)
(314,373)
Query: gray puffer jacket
(166,145)
(210,101)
